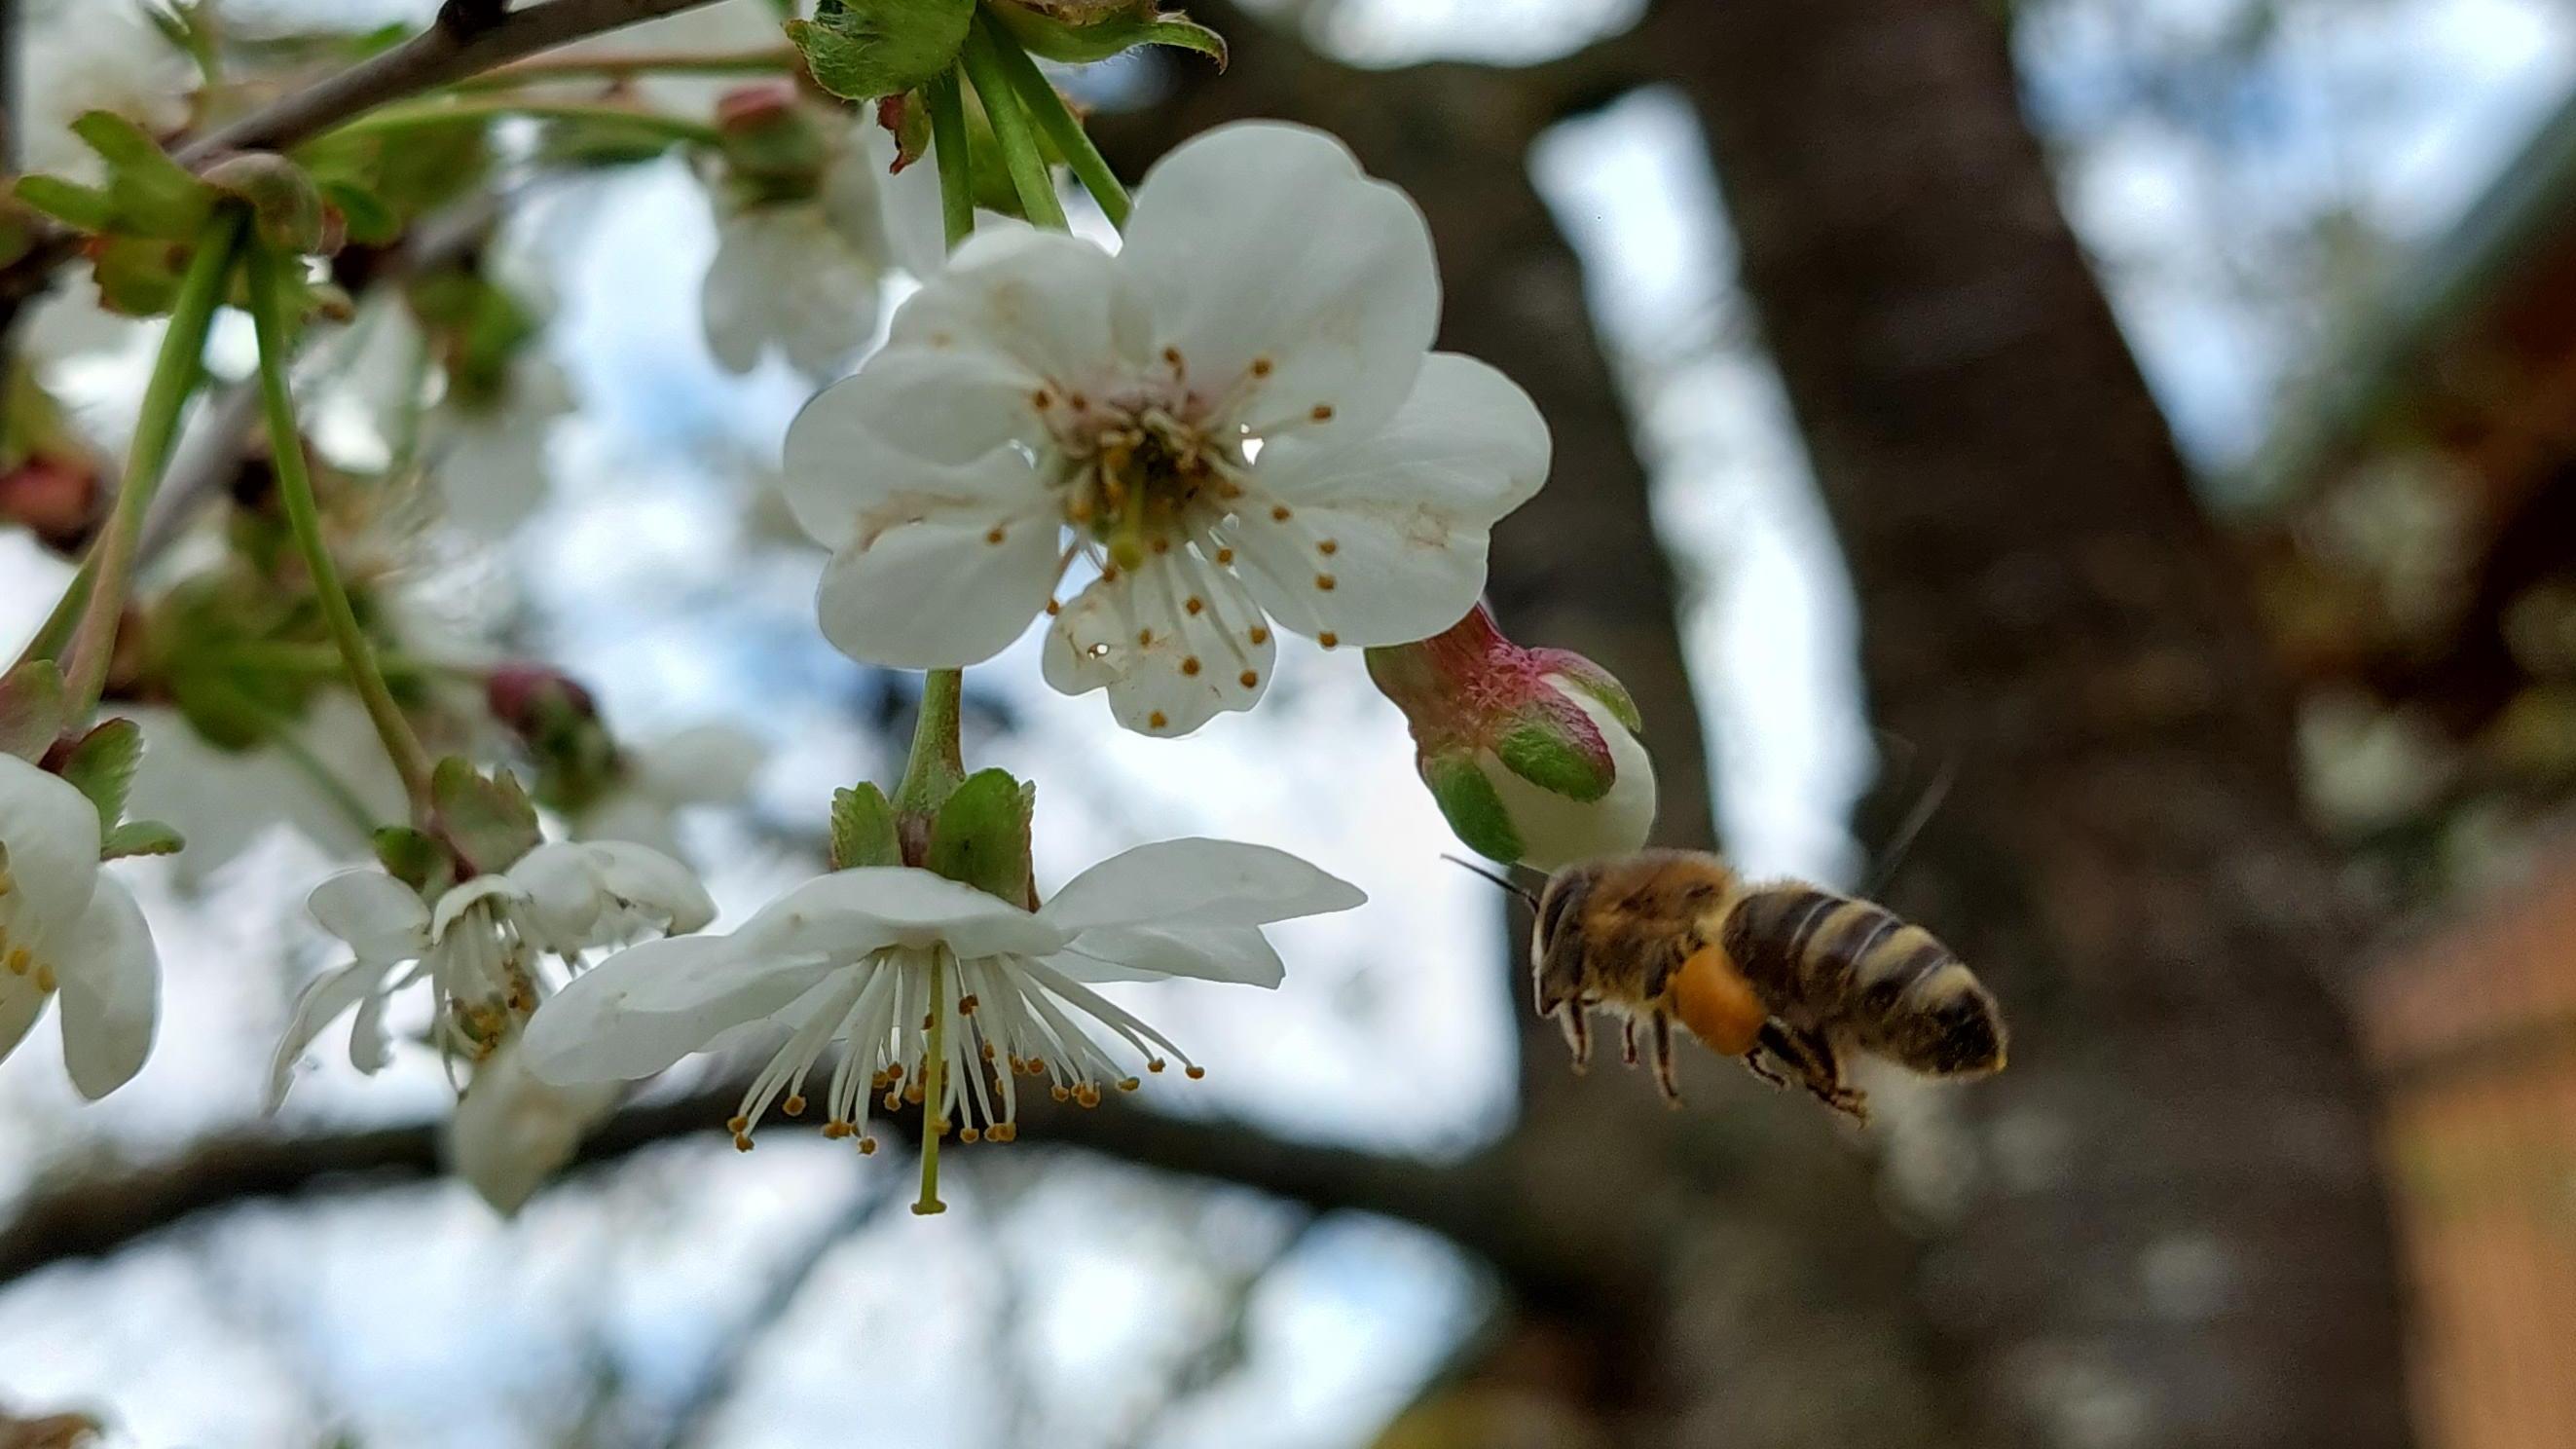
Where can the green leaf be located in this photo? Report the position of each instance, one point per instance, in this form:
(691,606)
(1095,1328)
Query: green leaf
(82,208)
(489,818)
(154,195)
(981,836)
(1078,32)
(138,276)
(1549,757)
(32,713)
(414,859)
(102,767)
(1473,808)
(363,214)
(862,49)
(140,837)
(863,828)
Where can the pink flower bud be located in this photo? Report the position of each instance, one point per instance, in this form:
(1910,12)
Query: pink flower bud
(530,698)
(1531,754)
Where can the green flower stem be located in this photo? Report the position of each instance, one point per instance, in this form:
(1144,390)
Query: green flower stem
(937,762)
(756,60)
(1063,129)
(392,120)
(295,491)
(110,566)
(934,1086)
(948,152)
(1020,154)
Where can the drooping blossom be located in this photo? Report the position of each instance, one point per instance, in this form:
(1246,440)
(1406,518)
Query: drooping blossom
(70,930)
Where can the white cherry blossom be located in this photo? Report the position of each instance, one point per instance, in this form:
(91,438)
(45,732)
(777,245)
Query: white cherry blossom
(801,276)
(481,948)
(904,968)
(1236,416)
(710,764)
(68,929)
(511,1131)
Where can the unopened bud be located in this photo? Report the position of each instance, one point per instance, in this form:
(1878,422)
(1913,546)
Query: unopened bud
(529,697)
(1531,754)
(771,142)
(286,209)
(54,495)
(558,721)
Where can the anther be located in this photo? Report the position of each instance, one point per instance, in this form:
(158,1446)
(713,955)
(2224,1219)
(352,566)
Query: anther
(1225,556)
(837,1129)
(1078,401)
(894,1073)
(794,1106)
(893,1100)
(1249,679)
(1155,1065)
(1003,1132)
(1328,639)
(912,1094)
(1258,634)
(1279,513)
(966,1004)
(1327,548)
(1054,608)
(1172,357)
(44,977)
(18,959)
(1261,367)
(867,1147)
(1162,545)
(1058,1092)
(1156,720)
(995,535)
(738,1125)
(1194,604)
(1322,412)
(1196,1073)
(1043,398)
(1086,1096)
(1128,1084)
(1190,665)
(742,1142)
(969,1135)
(1144,638)
(1325,582)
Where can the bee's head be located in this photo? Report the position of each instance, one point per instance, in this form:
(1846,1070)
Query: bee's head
(1559,906)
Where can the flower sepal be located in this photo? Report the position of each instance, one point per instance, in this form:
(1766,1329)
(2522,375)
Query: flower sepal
(33,712)
(864,831)
(980,836)
(487,819)
(861,50)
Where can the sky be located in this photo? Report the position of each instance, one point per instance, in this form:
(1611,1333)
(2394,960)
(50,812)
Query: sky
(426,1321)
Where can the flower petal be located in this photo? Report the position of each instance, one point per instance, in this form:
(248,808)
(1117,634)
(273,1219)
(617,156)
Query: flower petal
(850,913)
(785,276)
(1061,308)
(582,894)
(709,764)
(1193,882)
(20,1004)
(1169,667)
(1266,241)
(321,1002)
(949,585)
(1239,954)
(466,895)
(512,1131)
(650,1005)
(111,988)
(49,831)
(382,919)
(1381,539)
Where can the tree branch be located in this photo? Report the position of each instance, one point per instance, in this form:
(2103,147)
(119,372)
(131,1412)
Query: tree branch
(97,1213)
(450,50)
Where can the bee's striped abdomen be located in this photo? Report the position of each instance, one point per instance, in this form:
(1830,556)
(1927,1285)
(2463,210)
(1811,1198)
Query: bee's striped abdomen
(1846,965)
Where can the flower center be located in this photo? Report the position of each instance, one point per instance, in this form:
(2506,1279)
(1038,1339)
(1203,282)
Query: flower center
(17,957)
(480,973)
(1147,466)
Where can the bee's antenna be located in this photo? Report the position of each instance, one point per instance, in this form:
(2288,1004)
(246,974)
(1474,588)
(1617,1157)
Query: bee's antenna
(1528,897)
(1892,854)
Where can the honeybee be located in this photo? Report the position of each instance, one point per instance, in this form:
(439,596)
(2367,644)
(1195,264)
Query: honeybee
(1787,977)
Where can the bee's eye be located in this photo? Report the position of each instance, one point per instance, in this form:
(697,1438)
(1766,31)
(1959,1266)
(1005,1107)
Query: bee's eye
(1563,894)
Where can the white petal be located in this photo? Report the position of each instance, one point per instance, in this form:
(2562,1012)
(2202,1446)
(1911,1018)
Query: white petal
(20,1004)
(934,591)
(1193,882)
(512,1131)
(1061,308)
(111,989)
(382,919)
(904,424)
(785,276)
(850,913)
(321,1002)
(1265,241)
(586,893)
(1237,954)
(465,896)
(650,1005)
(1168,669)
(50,831)
(1406,511)
(1555,831)
(916,227)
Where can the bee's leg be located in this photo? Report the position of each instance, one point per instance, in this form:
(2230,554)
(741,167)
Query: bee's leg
(1825,1077)
(1659,1046)
(1770,1045)
(1628,1042)
(1576,1023)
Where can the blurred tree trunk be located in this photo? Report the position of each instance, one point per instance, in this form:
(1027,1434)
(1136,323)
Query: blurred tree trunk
(2169,1229)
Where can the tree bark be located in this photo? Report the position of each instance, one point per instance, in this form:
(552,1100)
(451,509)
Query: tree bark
(2170,1230)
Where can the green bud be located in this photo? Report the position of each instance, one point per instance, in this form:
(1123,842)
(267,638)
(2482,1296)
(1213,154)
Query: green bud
(414,859)
(32,712)
(981,836)
(286,208)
